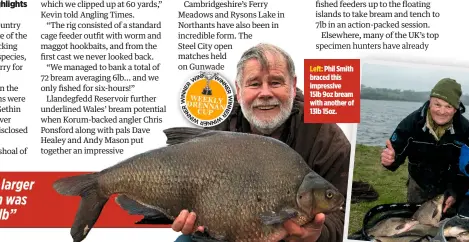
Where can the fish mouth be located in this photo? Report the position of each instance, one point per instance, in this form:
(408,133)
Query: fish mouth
(340,207)
(337,208)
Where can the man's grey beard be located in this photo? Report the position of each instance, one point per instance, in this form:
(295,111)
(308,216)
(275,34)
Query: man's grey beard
(267,126)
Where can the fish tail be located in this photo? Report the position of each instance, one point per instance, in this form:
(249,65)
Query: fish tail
(91,204)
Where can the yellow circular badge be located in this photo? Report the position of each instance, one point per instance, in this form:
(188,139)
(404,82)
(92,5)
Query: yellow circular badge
(207,99)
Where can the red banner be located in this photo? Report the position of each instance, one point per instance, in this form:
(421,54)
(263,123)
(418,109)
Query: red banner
(332,91)
(28,200)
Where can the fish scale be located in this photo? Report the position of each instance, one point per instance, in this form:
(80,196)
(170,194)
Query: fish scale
(229,179)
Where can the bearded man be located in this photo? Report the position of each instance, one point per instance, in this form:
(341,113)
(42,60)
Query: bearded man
(269,103)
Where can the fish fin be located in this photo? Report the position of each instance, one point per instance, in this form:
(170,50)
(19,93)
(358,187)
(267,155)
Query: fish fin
(158,219)
(271,217)
(75,185)
(435,213)
(151,215)
(179,135)
(135,208)
(204,237)
(91,204)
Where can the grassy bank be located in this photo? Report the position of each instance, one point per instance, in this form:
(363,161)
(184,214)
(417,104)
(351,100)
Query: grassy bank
(391,186)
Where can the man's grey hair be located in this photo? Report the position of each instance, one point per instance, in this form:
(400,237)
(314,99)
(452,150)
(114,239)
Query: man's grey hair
(258,52)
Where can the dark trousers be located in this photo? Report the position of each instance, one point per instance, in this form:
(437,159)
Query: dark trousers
(464,206)
(415,194)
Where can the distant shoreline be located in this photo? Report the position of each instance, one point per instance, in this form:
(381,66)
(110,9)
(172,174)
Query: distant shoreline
(371,146)
(386,94)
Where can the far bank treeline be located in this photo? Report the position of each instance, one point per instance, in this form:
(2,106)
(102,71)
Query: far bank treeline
(398,95)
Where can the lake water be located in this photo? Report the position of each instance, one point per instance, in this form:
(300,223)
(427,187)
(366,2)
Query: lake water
(379,119)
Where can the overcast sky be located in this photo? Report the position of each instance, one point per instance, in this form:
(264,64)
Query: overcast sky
(411,77)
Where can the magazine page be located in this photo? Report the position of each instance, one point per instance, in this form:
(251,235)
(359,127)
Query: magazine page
(226,120)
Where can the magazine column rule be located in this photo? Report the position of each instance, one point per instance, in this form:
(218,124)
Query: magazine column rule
(14,129)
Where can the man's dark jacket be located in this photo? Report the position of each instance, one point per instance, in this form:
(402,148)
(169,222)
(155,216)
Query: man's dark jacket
(432,164)
(323,146)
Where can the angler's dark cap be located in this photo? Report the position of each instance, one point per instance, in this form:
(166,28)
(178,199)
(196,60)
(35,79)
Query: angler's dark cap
(449,90)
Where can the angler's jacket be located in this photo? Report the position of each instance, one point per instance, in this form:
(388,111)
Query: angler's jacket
(432,164)
(324,147)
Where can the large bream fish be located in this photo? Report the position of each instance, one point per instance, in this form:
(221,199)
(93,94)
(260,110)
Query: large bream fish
(425,223)
(242,186)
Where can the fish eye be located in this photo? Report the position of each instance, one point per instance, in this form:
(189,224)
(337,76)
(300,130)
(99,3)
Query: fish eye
(329,194)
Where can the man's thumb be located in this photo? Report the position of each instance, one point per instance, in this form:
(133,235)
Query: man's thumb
(389,145)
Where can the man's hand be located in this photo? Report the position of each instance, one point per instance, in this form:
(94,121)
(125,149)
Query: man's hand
(388,154)
(185,222)
(308,233)
(448,203)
